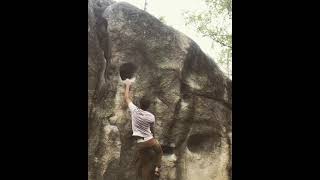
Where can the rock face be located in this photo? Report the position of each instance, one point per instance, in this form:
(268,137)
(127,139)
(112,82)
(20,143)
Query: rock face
(192,99)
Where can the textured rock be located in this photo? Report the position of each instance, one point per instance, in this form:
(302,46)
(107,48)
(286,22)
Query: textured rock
(192,97)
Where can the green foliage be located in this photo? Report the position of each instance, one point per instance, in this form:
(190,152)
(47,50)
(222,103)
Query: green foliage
(162,19)
(215,22)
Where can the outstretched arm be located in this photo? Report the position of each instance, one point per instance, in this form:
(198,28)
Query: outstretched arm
(126,92)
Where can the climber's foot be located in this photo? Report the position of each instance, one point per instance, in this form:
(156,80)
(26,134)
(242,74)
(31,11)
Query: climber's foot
(157,171)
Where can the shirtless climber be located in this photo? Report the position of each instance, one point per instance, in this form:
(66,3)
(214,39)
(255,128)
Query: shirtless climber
(143,131)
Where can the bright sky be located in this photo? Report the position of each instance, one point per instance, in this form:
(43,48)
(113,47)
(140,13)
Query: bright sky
(172,11)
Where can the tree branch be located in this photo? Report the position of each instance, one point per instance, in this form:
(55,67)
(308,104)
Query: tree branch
(219,41)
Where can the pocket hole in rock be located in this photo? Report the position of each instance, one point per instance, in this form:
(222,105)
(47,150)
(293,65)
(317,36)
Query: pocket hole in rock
(202,143)
(167,150)
(127,71)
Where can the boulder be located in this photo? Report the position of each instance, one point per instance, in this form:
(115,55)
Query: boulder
(192,98)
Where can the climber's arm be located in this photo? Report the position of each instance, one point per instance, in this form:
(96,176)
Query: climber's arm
(152,129)
(126,93)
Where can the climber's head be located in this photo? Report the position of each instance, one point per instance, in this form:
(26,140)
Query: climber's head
(145,103)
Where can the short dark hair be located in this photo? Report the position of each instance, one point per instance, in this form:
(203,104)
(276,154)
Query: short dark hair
(145,103)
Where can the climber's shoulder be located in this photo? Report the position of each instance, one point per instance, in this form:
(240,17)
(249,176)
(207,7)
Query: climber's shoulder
(132,107)
(151,116)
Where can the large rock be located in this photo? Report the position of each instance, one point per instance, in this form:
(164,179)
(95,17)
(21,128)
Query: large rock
(192,97)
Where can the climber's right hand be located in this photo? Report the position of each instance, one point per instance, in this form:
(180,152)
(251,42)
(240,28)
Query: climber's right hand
(127,82)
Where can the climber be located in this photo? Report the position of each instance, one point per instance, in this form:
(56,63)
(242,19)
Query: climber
(143,131)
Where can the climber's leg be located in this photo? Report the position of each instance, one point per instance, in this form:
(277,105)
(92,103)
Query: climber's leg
(138,169)
(146,170)
(157,148)
(139,158)
(144,164)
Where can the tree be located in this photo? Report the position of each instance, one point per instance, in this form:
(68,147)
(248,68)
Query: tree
(215,22)
(145,5)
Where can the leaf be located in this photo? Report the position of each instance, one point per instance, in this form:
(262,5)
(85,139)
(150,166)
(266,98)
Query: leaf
(215,22)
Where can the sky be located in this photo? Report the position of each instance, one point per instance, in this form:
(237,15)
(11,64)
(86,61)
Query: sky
(172,10)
